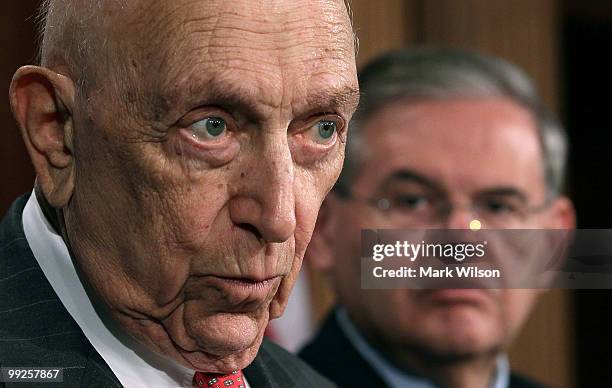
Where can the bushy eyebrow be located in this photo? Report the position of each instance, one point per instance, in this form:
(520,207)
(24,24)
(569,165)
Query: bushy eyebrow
(509,192)
(226,94)
(406,175)
(234,96)
(343,98)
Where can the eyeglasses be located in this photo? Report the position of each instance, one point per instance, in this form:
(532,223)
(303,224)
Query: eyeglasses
(418,210)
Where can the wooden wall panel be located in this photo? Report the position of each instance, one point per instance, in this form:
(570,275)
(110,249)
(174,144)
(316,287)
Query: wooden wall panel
(545,349)
(18,48)
(524,31)
(382,26)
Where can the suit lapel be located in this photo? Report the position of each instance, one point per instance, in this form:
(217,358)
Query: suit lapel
(37,330)
(97,373)
(334,356)
(265,371)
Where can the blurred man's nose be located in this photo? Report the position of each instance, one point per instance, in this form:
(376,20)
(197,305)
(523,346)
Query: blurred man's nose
(266,201)
(459,217)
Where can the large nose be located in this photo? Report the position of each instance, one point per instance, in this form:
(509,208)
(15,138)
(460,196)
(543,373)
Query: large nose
(265,199)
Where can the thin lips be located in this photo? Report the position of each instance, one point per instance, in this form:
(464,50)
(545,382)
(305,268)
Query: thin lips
(247,279)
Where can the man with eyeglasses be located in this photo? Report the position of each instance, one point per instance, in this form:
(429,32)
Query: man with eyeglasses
(443,138)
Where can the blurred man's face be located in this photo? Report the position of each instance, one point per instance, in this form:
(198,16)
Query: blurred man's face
(466,152)
(204,148)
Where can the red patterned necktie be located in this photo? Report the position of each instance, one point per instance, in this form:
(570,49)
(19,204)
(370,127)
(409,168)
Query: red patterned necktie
(209,380)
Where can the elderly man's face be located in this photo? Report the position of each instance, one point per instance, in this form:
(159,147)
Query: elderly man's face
(468,151)
(204,147)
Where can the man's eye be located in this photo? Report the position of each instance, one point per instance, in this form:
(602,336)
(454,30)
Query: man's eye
(499,207)
(410,202)
(324,131)
(209,128)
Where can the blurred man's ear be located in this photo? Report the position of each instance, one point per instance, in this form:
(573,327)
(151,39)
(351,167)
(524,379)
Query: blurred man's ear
(42,103)
(320,255)
(563,215)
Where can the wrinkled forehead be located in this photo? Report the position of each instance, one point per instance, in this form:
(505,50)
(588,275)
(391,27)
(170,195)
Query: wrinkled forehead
(267,42)
(461,144)
(272,24)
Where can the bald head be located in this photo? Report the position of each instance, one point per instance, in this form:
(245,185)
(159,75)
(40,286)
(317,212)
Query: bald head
(74,34)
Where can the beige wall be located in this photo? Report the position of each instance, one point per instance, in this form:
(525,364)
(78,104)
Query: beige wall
(525,32)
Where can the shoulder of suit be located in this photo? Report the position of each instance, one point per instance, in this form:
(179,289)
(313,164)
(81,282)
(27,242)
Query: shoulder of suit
(301,373)
(330,351)
(12,237)
(35,328)
(333,355)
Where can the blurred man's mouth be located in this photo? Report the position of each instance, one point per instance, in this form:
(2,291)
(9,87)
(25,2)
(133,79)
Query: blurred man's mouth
(456,296)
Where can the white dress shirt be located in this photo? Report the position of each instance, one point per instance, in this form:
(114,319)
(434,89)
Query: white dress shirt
(394,377)
(132,363)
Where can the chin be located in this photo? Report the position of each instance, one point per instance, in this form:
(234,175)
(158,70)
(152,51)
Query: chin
(222,364)
(449,334)
(216,342)
(460,342)
(458,348)
(223,334)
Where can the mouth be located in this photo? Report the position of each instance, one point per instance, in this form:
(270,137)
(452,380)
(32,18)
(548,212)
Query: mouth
(248,284)
(456,296)
(243,292)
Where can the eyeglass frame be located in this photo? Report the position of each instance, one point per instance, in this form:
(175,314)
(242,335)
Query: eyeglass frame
(383,205)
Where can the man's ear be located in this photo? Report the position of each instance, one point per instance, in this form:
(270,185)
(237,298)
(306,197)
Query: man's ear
(563,215)
(42,103)
(320,254)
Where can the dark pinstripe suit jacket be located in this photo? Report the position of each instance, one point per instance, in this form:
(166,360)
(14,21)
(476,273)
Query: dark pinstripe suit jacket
(37,331)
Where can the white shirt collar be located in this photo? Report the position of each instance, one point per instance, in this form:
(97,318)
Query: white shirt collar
(394,377)
(132,363)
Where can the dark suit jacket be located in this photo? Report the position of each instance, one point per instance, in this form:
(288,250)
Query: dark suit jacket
(37,331)
(332,354)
